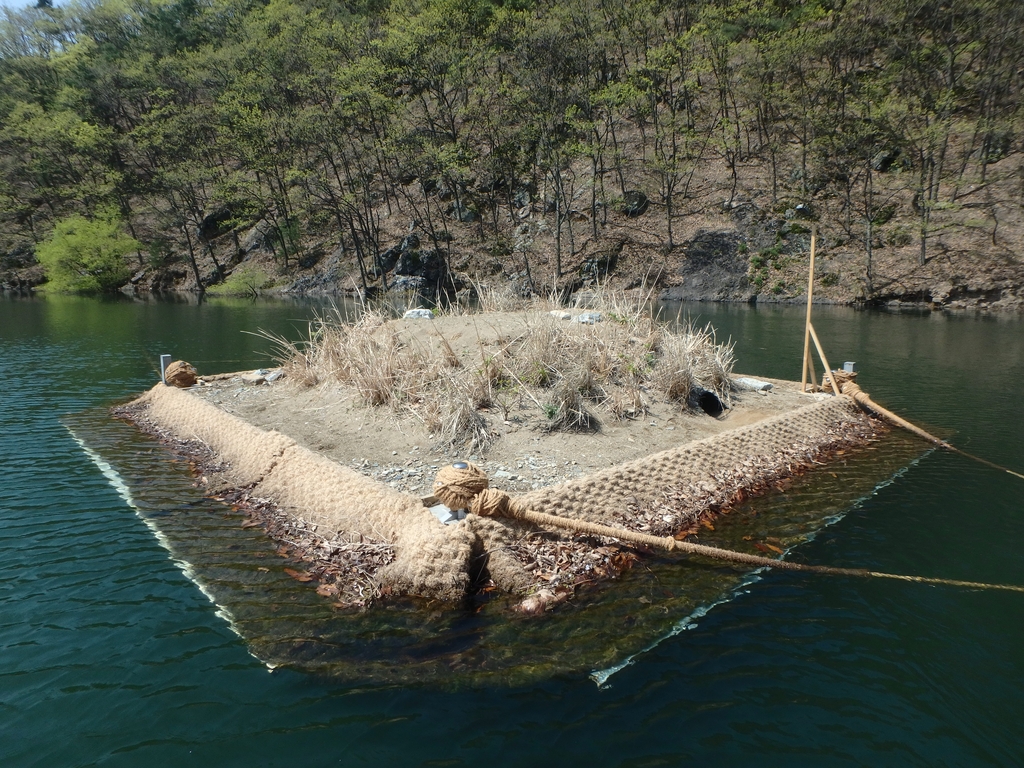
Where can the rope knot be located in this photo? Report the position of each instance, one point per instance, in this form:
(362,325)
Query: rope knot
(457,485)
(850,387)
(493,503)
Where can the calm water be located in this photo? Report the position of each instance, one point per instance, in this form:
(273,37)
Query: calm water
(111,655)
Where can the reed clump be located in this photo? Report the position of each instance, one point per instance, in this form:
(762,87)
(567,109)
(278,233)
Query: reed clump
(553,373)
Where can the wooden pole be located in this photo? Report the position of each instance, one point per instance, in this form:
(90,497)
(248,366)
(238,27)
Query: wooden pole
(821,354)
(491,503)
(807,324)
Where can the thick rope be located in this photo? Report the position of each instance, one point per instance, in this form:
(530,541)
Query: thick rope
(861,397)
(453,484)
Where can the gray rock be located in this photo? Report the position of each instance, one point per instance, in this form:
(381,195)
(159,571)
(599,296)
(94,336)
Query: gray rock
(462,212)
(521,198)
(311,258)
(634,203)
(386,261)
(418,314)
(883,161)
(598,267)
(447,516)
(754,385)
(588,318)
(215,224)
(426,264)
(804,211)
(259,237)
(408,283)
(445,191)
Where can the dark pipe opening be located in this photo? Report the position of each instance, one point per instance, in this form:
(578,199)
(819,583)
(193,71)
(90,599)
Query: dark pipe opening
(709,403)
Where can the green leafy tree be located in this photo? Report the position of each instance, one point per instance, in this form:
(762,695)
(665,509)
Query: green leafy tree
(87,255)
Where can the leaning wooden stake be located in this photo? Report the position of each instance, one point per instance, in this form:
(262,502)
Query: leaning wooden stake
(807,324)
(824,361)
(851,389)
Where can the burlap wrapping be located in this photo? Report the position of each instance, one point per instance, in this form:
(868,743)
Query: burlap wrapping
(180,374)
(430,559)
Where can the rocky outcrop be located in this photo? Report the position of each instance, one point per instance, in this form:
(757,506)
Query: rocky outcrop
(713,269)
(260,237)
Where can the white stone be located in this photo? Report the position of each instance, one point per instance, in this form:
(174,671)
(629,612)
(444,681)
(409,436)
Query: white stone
(447,516)
(745,382)
(418,314)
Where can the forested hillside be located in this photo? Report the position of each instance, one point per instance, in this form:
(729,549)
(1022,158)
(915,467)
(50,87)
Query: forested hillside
(424,144)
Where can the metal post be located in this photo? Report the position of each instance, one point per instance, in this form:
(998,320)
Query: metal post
(165,360)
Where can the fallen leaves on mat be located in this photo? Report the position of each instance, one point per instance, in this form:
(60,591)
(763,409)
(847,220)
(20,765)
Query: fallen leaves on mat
(298,575)
(543,600)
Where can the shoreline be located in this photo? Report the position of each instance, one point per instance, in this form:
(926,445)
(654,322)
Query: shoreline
(976,306)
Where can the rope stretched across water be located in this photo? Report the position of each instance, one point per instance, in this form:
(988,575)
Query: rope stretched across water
(465,486)
(851,389)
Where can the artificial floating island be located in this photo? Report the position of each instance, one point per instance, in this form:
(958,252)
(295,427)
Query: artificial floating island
(368,449)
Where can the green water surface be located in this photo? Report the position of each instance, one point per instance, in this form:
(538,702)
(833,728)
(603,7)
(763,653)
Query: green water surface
(112,651)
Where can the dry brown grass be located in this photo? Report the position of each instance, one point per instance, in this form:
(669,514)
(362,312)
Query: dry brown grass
(693,358)
(567,410)
(453,416)
(568,370)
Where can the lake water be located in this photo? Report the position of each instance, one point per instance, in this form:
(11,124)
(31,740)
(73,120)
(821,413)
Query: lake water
(110,654)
